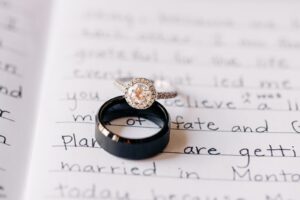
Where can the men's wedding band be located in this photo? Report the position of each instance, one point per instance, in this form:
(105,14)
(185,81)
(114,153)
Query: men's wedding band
(124,147)
(140,93)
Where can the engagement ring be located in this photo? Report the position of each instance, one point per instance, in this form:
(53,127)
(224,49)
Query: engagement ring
(140,93)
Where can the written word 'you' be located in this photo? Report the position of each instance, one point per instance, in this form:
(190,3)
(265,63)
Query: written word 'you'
(75,97)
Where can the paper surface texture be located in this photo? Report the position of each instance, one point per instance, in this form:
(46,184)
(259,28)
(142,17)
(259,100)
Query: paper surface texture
(235,124)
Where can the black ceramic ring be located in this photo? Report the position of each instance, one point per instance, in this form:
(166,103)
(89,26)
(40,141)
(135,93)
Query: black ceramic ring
(132,148)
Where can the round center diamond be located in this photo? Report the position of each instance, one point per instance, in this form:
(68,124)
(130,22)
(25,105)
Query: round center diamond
(140,94)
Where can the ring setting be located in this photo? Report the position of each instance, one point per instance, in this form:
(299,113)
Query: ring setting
(140,93)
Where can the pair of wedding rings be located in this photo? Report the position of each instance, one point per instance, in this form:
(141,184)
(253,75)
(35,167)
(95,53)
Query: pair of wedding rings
(139,100)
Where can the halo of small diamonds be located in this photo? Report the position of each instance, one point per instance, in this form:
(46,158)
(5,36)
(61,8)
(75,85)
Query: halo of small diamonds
(140,93)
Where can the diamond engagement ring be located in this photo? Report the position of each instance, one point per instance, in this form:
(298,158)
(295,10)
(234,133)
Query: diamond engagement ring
(140,93)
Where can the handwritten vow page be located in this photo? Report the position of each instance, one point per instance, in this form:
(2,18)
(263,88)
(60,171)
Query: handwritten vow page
(20,41)
(235,125)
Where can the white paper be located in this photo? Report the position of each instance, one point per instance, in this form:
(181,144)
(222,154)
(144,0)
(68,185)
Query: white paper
(235,124)
(20,60)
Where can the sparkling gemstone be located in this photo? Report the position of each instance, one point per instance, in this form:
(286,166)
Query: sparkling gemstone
(139,94)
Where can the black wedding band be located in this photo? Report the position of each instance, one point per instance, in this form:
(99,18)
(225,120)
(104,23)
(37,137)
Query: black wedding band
(132,148)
